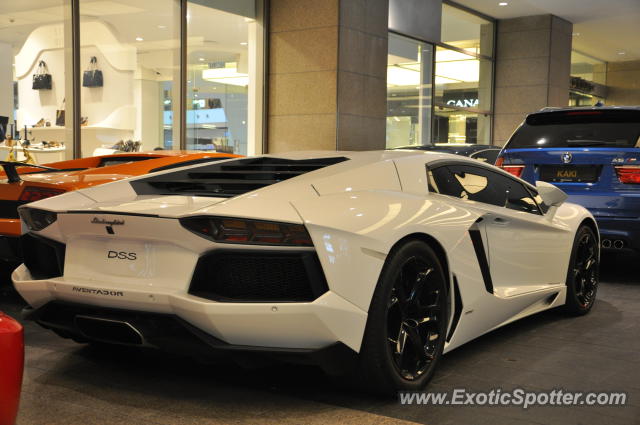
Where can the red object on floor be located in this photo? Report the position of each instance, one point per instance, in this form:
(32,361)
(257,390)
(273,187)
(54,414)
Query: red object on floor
(11,366)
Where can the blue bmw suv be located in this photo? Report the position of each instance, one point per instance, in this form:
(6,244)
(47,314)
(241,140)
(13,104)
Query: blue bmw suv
(593,154)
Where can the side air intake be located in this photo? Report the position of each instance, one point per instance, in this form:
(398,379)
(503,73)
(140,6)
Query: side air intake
(230,178)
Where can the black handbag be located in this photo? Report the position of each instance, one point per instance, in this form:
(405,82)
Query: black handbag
(42,78)
(92,77)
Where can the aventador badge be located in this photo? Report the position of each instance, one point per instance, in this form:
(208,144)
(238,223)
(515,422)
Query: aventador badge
(567,157)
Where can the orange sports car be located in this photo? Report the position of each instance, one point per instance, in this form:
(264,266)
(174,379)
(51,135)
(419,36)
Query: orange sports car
(23,183)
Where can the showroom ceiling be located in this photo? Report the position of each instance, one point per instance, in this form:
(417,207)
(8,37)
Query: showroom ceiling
(608,30)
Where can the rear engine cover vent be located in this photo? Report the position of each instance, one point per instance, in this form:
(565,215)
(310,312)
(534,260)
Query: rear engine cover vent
(230,178)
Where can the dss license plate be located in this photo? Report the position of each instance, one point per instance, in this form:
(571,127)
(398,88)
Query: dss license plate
(569,173)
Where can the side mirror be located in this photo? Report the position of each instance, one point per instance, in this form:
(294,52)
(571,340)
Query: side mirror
(550,194)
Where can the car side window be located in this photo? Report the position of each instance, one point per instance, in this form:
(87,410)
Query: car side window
(465,182)
(519,198)
(482,185)
(488,156)
(536,197)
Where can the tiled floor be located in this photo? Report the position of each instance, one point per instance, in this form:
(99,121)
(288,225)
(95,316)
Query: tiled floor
(67,383)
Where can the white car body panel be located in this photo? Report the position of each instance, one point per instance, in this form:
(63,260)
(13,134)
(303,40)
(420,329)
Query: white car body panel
(355,212)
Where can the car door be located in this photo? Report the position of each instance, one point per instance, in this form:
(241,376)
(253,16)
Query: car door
(522,244)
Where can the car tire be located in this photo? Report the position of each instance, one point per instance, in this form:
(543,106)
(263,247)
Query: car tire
(583,274)
(407,322)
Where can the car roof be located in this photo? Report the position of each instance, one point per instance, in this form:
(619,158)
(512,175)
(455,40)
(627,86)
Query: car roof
(459,149)
(587,108)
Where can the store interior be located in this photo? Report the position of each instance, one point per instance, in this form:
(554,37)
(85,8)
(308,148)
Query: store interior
(130,72)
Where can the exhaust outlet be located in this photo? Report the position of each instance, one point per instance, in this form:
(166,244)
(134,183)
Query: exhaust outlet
(606,243)
(618,244)
(109,330)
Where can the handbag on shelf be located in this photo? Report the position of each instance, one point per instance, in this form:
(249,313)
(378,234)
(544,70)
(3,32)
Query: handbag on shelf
(42,77)
(60,115)
(92,77)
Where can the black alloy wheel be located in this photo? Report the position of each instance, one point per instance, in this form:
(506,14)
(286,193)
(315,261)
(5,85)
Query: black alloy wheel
(583,276)
(413,318)
(407,322)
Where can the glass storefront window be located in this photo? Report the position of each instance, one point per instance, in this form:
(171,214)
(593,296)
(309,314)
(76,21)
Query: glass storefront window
(460,126)
(131,77)
(129,58)
(34,40)
(588,79)
(462,80)
(588,68)
(409,76)
(442,92)
(221,75)
(466,31)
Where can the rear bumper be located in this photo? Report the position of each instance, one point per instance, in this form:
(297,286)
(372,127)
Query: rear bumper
(294,325)
(624,230)
(172,334)
(617,214)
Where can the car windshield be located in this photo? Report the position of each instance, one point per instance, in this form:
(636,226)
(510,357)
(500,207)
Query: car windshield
(608,128)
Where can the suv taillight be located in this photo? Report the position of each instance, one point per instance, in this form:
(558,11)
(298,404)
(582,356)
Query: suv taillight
(628,174)
(516,170)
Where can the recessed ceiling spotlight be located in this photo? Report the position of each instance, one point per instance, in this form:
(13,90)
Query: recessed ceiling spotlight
(244,43)
(139,39)
(576,34)
(503,3)
(201,59)
(622,52)
(162,27)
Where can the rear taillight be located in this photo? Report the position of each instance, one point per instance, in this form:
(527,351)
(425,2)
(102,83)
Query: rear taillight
(628,174)
(515,170)
(251,232)
(34,193)
(37,219)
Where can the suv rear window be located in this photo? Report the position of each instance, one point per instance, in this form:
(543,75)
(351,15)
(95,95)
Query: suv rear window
(568,129)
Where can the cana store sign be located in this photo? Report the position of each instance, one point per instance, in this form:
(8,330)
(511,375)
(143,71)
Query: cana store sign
(463,103)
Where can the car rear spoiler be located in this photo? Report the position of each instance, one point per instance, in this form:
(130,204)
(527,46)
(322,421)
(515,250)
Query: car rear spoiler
(10,169)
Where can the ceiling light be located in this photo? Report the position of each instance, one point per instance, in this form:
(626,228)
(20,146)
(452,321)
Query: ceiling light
(622,52)
(162,27)
(244,43)
(139,39)
(201,59)
(576,34)
(503,3)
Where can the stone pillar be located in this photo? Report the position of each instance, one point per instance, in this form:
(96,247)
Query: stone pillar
(623,83)
(327,74)
(533,65)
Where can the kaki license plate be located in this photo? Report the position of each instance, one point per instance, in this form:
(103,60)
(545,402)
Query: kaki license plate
(570,173)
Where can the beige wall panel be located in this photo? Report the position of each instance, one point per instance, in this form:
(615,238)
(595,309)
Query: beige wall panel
(302,132)
(303,93)
(291,15)
(303,51)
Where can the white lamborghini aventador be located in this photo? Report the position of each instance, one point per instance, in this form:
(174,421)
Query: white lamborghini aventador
(370,261)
